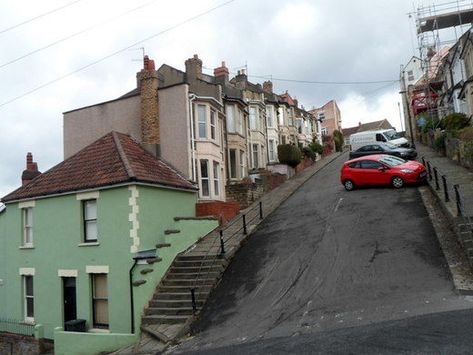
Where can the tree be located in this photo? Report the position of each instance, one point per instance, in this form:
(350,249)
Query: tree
(338,140)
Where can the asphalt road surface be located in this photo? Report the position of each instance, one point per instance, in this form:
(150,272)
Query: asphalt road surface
(334,268)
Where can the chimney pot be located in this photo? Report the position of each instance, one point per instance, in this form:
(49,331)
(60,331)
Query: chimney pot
(194,67)
(31,170)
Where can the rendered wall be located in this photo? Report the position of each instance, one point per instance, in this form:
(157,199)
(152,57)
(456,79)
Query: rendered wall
(175,127)
(71,343)
(84,126)
(57,238)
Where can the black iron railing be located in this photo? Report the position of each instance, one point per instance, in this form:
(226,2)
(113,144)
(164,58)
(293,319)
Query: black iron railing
(220,245)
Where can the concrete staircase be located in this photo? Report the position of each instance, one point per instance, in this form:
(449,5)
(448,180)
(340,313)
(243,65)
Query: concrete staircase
(172,300)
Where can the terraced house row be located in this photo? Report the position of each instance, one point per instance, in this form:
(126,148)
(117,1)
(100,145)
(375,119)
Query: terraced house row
(84,245)
(214,129)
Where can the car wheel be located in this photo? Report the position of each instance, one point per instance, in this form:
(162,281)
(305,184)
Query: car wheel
(397,182)
(349,185)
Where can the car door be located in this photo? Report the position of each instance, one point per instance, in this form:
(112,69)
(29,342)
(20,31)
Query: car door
(372,174)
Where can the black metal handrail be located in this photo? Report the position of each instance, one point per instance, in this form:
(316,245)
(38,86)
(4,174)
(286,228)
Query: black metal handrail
(222,240)
(445,187)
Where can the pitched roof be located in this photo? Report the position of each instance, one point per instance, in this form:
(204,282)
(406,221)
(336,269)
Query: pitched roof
(370,126)
(286,97)
(113,159)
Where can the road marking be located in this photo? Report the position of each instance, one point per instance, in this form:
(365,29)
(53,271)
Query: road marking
(338,204)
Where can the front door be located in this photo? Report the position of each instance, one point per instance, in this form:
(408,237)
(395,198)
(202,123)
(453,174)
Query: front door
(69,291)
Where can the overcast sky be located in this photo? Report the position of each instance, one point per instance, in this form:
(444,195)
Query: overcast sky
(323,40)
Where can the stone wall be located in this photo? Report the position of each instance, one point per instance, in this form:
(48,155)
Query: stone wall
(245,193)
(305,163)
(460,151)
(15,344)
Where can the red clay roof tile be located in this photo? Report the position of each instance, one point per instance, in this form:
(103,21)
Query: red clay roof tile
(115,158)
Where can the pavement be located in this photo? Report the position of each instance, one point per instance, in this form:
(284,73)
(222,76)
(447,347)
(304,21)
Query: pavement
(454,230)
(454,174)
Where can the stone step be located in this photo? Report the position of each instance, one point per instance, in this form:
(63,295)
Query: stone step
(196,269)
(163,245)
(171,231)
(163,319)
(181,311)
(188,282)
(180,296)
(192,275)
(203,262)
(174,303)
(176,288)
(192,256)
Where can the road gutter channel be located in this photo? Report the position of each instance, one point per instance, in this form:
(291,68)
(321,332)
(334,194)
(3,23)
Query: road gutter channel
(458,264)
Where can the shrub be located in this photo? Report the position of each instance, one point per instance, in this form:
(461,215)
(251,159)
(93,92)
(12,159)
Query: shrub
(316,147)
(308,153)
(454,121)
(338,140)
(466,134)
(289,154)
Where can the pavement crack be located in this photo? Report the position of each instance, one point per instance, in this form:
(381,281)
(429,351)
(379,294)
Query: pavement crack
(377,252)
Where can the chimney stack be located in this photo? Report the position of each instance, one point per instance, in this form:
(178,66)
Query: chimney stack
(31,170)
(194,68)
(296,102)
(147,80)
(222,73)
(268,87)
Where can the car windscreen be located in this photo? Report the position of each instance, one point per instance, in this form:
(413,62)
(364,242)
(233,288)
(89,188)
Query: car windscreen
(389,145)
(391,160)
(392,135)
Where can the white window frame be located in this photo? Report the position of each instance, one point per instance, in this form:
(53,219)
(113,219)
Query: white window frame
(271,149)
(321,116)
(27,226)
(270,116)
(255,156)
(324,131)
(242,164)
(233,167)
(253,118)
(216,176)
(231,124)
(213,125)
(205,179)
(26,297)
(202,121)
(86,220)
(240,122)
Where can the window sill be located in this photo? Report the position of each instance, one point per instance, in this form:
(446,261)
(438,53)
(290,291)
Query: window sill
(28,322)
(99,330)
(26,247)
(90,244)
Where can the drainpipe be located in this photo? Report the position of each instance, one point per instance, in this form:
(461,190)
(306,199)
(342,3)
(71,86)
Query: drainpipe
(132,304)
(192,123)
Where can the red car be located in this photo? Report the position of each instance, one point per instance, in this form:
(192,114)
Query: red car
(381,169)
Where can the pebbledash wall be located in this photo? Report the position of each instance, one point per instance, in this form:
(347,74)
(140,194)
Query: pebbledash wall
(129,218)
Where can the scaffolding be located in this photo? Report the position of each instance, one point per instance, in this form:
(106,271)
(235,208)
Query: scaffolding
(438,27)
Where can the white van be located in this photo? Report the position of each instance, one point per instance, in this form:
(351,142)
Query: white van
(360,139)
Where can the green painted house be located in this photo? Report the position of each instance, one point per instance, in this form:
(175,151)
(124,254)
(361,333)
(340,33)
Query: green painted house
(83,245)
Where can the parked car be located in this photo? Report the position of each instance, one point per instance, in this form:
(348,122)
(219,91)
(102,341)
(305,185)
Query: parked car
(384,148)
(381,169)
(360,139)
